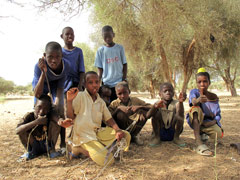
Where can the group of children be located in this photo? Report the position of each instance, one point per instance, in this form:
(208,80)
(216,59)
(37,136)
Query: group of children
(102,116)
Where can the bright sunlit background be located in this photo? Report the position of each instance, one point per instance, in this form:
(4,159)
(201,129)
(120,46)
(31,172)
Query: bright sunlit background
(24,33)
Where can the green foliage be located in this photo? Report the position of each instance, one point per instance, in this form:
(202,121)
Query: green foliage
(6,86)
(89,56)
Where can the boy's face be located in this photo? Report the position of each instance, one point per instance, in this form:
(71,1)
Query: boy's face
(203,83)
(41,108)
(108,37)
(106,94)
(92,84)
(68,36)
(123,94)
(166,93)
(53,58)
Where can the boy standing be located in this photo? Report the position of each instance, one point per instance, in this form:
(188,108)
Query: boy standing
(74,56)
(111,61)
(129,112)
(167,116)
(38,130)
(49,77)
(86,111)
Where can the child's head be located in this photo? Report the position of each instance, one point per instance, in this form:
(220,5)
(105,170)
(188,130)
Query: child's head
(105,93)
(108,34)
(67,35)
(92,82)
(203,79)
(166,91)
(42,106)
(53,55)
(122,91)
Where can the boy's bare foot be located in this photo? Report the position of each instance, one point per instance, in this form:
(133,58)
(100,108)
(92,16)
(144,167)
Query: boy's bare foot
(154,141)
(179,142)
(137,140)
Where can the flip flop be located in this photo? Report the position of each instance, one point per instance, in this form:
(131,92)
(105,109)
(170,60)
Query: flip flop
(237,146)
(202,149)
(55,154)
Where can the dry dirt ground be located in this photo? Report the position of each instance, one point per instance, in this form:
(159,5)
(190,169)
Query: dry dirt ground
(166,161)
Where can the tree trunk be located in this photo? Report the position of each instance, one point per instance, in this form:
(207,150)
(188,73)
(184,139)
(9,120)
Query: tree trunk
(188,64)
(152,89)
(232,89)
(165,67)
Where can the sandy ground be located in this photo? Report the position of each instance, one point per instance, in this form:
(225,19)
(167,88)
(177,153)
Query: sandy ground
(166,161)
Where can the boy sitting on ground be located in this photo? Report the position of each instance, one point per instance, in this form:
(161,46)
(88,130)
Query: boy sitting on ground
(86,111)
(129,112)
(105,93)
(167,116)
(38,130)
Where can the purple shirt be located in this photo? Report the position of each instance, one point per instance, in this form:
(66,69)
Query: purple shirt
(207,108)
(76,63)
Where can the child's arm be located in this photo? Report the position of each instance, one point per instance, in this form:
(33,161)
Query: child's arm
(71,94)
(81,77)
(113,124)
(153,110)
(180,108)
(25,127)
(38,90)
(124,78)
(100,72)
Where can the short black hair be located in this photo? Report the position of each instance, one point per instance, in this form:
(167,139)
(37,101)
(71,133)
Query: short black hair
(46,98)
(107,28)
(168,84)
(122,84)
(68,27)
(87,73)
(206,74)
(53,46)
(103,87)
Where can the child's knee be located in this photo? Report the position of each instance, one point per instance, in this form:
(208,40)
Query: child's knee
(121,115)
(102,157)
(216,132)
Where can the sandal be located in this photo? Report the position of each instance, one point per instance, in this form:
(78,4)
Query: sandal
(203,150)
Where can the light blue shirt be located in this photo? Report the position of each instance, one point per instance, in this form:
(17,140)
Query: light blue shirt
(111,60)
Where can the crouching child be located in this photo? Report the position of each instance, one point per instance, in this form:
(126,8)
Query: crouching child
(38,131)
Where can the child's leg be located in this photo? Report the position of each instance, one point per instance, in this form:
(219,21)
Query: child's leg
(156,125)
(122,120)
(53,133)
(178,125)
(212,131)
(98,152)
(196,128)
(24,140)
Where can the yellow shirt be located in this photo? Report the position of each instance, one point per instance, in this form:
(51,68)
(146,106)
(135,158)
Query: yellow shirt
(89,116)
(133,101)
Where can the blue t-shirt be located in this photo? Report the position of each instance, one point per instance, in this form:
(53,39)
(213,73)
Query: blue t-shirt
(76,63)
(207,108)
(111,60)
(55,80)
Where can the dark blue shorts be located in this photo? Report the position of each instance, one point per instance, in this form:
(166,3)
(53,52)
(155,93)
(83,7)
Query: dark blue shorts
(38,148)
(167,134)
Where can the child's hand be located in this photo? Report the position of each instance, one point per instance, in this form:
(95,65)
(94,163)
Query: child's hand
(65,123)
(133,108)
(159,104)
(42,121)
(202,99)
(119,134)
(182,97)
(42,64)
(72,93)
